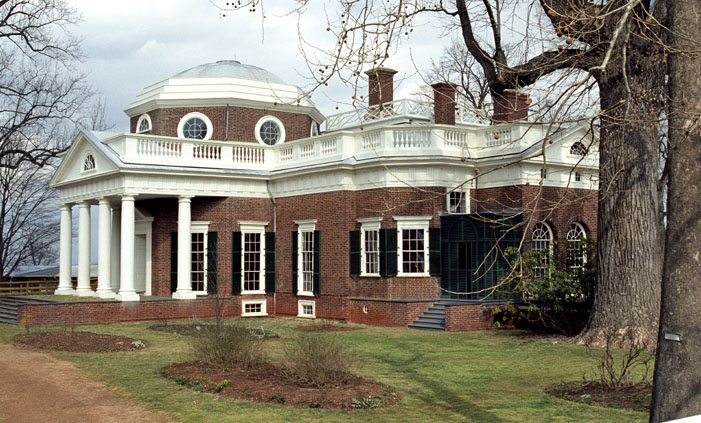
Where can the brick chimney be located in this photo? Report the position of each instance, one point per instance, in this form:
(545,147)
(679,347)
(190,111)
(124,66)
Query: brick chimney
(510,107)
(444,103)
(380,85)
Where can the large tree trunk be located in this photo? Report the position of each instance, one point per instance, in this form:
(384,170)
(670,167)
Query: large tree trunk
(677,390)
(627,299)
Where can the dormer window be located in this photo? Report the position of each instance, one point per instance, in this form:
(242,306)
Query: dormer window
(89,163)
(195,126)
(144,124)
(270,131)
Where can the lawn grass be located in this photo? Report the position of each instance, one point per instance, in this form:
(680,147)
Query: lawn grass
(487,376)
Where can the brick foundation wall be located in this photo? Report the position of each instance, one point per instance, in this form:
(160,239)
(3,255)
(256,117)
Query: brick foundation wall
(468,317)
(387,313)
(112,312)
(242,122)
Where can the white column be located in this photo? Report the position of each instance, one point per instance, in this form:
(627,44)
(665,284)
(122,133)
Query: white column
(184,289)
(65,284)
(104,290)
(84,289)
(115,249)
(126,285)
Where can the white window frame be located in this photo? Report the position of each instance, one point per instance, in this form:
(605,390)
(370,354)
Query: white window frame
(263,308)
(200,227)
(412,222)
(302,227)
(466,200)
(578,228)
(314,130)
(545,264)
(144,117)
(253,227)
(268,118)
(300,307)
(369,224)
(191,115)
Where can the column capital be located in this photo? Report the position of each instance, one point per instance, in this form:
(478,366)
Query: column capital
(185,198)
(65,206)
(103,200)
(128,197)
(84,203)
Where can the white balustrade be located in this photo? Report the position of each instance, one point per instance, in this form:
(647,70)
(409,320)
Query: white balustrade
(499,136)
(411,138)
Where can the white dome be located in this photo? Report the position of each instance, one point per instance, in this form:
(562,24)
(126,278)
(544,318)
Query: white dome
(230,69)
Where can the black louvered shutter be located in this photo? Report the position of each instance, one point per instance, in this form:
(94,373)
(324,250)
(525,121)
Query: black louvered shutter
(173,261)
(212,262)
(434,251)
(270,262)
(294,262)
(388,252)
(317,263)
(235,263)
(355,253)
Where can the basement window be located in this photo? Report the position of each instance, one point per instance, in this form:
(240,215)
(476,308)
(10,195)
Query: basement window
(306,309)
(252,308)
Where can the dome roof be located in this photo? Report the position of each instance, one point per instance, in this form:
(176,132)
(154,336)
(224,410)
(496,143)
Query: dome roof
(230,69)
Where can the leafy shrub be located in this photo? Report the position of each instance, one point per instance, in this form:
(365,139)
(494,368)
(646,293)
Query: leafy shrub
(550,288)
(227,346)
(318,360)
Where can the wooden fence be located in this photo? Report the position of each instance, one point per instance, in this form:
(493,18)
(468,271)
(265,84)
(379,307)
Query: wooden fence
(27,287)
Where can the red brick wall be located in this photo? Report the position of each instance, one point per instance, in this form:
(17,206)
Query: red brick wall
(387,313)
(242,122)
(468,317)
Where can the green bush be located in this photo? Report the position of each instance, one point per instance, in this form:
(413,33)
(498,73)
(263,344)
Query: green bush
(227,346)
(318,360)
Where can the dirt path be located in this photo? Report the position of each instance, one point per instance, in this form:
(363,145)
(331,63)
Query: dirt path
(35,387)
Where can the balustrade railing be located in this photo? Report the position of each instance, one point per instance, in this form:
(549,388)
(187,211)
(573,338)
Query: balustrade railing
(395,141)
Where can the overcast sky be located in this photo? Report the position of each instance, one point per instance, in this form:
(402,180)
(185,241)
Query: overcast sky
(131,44)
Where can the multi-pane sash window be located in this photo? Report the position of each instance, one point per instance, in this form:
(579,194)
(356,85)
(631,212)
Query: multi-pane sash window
(413,251)
(576,249)
(457,202)
(372,252)
(252,261)
(412,254)
(307,262)
(199,262)
(542,240)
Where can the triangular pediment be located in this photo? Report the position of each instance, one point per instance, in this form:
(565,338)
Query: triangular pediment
(85,159)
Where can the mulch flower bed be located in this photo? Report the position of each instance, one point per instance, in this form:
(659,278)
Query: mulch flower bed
(191,329)
(636,397)
(264,383)
(80,342)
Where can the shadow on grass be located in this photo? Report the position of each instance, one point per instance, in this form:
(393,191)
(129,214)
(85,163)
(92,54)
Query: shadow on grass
(432,392)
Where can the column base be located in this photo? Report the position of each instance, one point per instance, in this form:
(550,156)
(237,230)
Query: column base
(127,296)
(85,292)
(64,291)
(184,295)
(105,294)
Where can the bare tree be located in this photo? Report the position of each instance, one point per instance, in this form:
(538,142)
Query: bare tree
(677,389)
(41,91)
(28,218)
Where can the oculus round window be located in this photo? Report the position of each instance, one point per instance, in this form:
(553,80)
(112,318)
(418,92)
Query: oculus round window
(270,131)
(195,126)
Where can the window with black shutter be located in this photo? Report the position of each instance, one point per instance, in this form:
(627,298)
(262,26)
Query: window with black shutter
(235,263)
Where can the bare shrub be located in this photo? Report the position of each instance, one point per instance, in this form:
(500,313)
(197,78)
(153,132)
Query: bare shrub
(631,368)
(227,346)
(318,360)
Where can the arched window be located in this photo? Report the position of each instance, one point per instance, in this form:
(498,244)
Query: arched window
(576,247)
(578,149)
(542,241)
(195,126)
(270,130)
(314,131)
(89,163)
(144,124)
